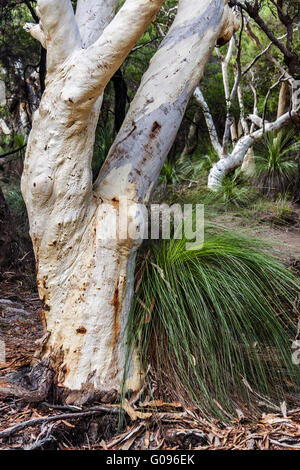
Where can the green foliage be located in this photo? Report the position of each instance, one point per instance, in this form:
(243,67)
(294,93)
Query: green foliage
(11,142)
(103,142)
(19,52)
(214,322)
(168,175)
(282,210)
(173,173)
(276,165)
(233,191)
(202,163)
(188,170)
(17,207)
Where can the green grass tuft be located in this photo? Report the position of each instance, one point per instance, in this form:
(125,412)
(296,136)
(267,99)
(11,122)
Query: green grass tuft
(234,191)
(276,164)
(211,321)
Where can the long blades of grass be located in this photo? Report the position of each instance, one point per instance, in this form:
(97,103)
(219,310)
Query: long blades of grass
(222,318)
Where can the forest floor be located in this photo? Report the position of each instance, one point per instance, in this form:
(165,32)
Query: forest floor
(151,425)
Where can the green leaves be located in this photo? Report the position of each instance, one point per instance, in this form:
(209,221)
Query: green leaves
(276,165)
(221,318)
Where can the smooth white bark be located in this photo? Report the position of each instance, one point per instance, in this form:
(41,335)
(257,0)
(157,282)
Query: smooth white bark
(85,275)
(209,121)
(235,159)
(92,17)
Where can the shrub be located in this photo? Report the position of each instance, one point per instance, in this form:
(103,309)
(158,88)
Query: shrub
(276,165)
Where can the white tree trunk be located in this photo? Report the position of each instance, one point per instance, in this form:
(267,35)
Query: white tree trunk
(243,153)
(84,274)
(209,122)
(248,165)
(223,166)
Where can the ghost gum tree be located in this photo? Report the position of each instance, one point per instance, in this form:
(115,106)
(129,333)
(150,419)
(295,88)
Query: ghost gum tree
(287,14)
(84,278)
(249,134)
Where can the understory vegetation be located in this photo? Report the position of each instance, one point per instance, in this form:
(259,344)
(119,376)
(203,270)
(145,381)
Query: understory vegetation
(216,324)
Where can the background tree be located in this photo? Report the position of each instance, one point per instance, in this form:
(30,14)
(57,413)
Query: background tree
(250,136)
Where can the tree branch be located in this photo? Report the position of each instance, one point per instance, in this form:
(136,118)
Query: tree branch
(13,151)
(155,114)
(96,65)
(269,56)
(209,121)
(36,32)
(34,422)
(267,99)
(57,31)
(244,144)
(32,11)
(290,57)
(92,17)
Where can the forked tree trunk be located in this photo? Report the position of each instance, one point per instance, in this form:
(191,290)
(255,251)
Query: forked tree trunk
(84,273)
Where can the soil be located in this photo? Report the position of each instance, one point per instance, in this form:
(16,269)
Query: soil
(284,238)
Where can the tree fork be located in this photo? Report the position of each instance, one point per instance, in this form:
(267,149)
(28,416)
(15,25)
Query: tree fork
(85,278)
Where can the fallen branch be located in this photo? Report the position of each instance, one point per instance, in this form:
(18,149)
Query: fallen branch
(122,438)
(34,422)
(41,441)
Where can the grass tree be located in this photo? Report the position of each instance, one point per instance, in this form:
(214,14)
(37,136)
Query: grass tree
(215,324)
(84,273)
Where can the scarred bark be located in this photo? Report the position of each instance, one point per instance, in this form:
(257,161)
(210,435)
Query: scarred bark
(84,274)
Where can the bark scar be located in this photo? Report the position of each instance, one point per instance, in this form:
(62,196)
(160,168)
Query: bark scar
(81,330)
(155,127)
(116,305)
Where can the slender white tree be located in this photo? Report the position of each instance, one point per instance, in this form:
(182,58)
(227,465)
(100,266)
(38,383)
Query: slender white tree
(242,152)
(85,278)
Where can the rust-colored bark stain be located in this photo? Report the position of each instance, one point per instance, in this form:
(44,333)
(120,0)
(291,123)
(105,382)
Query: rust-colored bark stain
(115,203)
(46,307)
(61,373)
(155,127)
(116,300)
(41,313)
(116,332)
(81,330)
(116,305)
(36,244)
(45,278)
